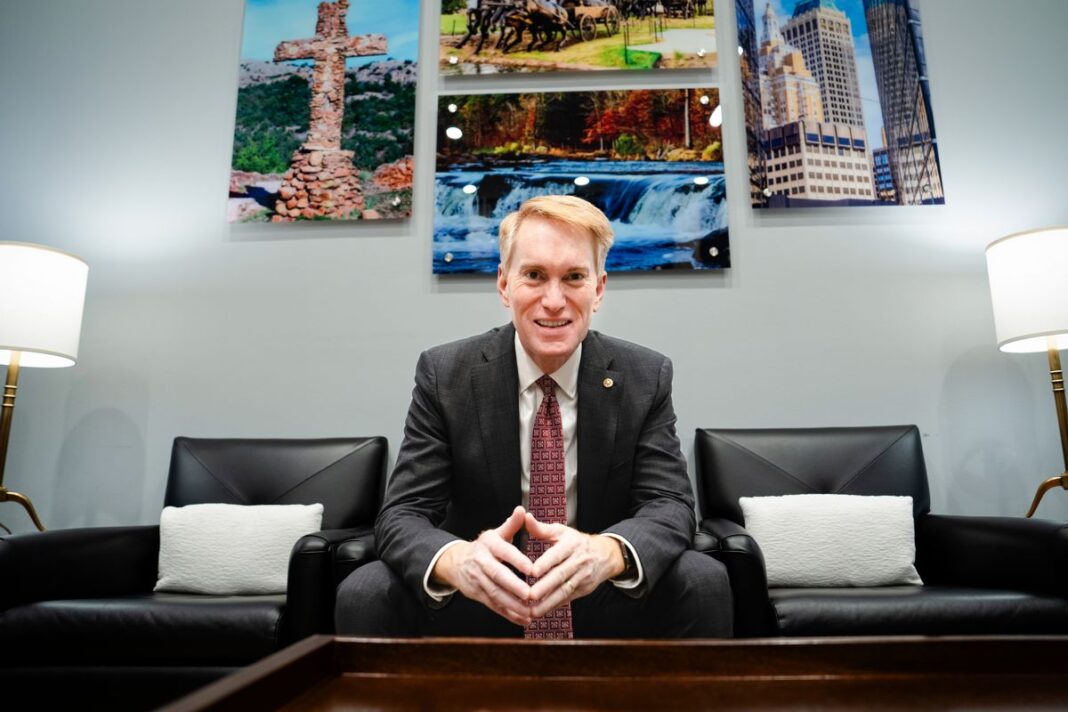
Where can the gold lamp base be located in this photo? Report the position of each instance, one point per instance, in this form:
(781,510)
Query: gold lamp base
(7,495)
(1056,376)
(7,410)
(1046,486)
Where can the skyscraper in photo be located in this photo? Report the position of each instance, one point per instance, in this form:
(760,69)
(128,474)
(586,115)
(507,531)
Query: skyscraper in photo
(901,74)
(884,180)
(788,90)
(809,158)
(824,35)
(754,128)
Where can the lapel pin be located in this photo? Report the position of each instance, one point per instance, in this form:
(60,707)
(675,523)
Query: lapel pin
(608,383)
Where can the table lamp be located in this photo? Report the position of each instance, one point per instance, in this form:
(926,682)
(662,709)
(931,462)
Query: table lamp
(1029,287)
(42,292)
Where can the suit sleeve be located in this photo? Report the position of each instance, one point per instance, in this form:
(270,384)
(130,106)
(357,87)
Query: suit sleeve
(662,520)
(417,498)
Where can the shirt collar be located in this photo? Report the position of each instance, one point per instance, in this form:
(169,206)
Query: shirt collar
(566,376)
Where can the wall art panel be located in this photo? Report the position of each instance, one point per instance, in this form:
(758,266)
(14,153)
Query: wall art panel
(651,159)
(325,111)
(494,36)
(837,103)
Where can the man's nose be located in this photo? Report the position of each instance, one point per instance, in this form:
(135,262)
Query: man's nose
(553,296)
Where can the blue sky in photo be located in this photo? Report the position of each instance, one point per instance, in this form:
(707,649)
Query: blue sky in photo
(268,22)
(869,90)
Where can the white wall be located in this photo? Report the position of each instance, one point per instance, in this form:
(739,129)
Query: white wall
(115,132)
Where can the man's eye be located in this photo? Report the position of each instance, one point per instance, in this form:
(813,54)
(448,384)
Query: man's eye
(531,274)
(576,276)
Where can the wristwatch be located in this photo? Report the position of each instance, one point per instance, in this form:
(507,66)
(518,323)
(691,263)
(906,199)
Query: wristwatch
(630,569)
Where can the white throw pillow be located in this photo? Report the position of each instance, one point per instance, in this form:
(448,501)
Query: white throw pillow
(834,539)
(230,549)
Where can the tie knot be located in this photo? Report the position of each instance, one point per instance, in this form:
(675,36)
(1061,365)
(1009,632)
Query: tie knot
(546,383)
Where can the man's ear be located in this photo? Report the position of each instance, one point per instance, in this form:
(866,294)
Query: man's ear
(602,281)
(502,286)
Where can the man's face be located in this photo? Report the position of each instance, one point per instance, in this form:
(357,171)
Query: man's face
(551,286)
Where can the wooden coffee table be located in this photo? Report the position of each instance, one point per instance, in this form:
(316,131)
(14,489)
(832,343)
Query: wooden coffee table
(325,673)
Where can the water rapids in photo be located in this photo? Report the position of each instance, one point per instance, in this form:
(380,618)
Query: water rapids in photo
(665,214)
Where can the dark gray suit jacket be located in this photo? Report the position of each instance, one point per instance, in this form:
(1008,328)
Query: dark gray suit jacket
(458,471)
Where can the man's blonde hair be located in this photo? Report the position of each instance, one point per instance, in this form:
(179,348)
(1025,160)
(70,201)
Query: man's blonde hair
(574,212)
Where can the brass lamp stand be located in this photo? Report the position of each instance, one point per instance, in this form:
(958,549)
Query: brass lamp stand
(7,410)
(42,291)
(1056,375)
(1028,272)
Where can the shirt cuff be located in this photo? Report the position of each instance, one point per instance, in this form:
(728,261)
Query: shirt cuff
(636,580)
(438,592)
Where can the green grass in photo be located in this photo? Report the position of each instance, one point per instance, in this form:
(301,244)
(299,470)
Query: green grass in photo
(603,51)
(454,24)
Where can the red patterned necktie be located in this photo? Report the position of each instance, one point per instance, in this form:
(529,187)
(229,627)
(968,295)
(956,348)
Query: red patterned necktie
(547,501)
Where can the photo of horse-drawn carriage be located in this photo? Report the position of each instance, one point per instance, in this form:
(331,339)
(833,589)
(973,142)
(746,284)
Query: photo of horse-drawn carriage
(584,16)
(493,36)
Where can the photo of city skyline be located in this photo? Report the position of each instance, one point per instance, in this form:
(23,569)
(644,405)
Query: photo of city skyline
(837,104)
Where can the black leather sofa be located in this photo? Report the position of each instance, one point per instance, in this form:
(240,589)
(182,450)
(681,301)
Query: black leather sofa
(80,626)
(982,575)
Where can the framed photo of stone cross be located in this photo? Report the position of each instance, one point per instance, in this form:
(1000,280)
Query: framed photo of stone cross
(325,111)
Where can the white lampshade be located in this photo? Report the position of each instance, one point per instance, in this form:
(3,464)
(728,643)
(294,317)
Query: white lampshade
(1029,287)
(42,292)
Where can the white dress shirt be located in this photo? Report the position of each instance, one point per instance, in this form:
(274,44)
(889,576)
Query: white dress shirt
(530,398)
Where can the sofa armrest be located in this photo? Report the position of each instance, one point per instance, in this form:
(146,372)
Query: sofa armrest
(705,543)
(352,554)
(78,563)
(993,552)
(311,586)
(739,552)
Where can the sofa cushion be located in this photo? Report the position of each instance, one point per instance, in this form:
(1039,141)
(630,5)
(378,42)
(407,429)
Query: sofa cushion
(146,629)
(834,539)
(230,549)
(913,610)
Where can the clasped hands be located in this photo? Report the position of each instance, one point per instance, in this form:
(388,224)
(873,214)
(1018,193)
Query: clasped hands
(572,567)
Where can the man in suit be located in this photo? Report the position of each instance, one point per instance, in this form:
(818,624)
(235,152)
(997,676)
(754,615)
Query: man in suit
(521,505)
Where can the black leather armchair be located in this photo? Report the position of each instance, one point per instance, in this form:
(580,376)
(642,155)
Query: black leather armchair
(78,615)
(982,575)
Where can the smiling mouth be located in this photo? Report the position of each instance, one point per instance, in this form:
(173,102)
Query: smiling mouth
(552,323)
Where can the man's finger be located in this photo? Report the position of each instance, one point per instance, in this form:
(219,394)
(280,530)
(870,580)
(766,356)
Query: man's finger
(504,551)
(551,558)
(543,531)
(556,578)
(502,577)
(512,524)
(505,604)
(556,599)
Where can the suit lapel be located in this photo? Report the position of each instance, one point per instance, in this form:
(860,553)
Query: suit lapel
(598,414)
(495,386)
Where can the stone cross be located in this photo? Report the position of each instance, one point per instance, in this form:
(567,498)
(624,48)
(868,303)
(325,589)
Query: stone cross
(329,48)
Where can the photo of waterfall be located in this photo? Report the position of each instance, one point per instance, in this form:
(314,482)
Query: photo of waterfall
(650,159)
